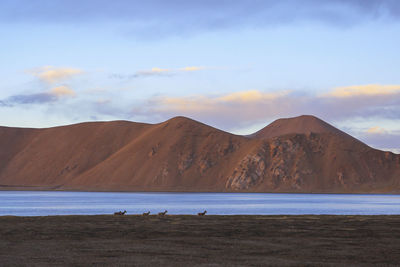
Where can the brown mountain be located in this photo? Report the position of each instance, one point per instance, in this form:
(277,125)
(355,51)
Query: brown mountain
(302,154)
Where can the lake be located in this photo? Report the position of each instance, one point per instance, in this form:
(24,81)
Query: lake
(42,203)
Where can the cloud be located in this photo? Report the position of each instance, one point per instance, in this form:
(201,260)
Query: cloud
(245,108)
(365,90)
(242,109)
(381,138)
(376,130)
(213,103)
(159,18)
(3,104)
(251,96)
(361,101)
(62,90)
(39,98)
(152,72)
(51,75)
(225,111)
(250,108)
(50,96)
(192,68)
(103,101)
(157,72)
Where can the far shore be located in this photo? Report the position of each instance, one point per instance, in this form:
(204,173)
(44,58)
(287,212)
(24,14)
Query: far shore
(183,240)
(58,189)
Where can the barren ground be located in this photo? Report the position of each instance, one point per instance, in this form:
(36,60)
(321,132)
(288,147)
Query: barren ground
(192,240)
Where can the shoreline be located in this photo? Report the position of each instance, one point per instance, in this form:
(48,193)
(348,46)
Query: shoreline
(228,240)
(210,216)
(213,216)
(5,188)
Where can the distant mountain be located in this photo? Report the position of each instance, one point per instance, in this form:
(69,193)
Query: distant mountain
(302,154)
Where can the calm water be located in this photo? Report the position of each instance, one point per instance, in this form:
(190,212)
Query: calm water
(26,203)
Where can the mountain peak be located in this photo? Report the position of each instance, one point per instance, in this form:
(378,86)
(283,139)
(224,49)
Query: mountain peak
(303,124)
(180,119)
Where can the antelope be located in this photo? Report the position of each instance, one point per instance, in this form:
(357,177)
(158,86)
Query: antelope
(202,213)
(146,213)
(120,213)
(162,213)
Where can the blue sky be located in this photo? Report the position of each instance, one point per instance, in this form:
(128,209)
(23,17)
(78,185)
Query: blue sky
(236,65)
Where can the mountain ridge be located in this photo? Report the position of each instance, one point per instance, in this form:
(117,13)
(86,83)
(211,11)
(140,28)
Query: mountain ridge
(301,154)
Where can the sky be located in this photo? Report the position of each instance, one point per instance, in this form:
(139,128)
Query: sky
(235,65)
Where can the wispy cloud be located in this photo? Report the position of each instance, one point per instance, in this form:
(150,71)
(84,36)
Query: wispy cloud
(158,72)
(251,96)
(225,111)
(62,90)
(382,138)
(158,18)
(365,90)
(245,108)
(39,98)
(217,105)
(242,109)
(3,103)
(51,75)
(153,72)
(376,130)
(53,95)
(192,68)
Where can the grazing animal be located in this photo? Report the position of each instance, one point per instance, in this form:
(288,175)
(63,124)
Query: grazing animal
(202,213)
(146,213)
(162,213)
(120,212)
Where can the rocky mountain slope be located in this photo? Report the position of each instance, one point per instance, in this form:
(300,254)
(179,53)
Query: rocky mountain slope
(302,154)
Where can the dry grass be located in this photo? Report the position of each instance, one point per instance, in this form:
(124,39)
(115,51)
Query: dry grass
(193,240)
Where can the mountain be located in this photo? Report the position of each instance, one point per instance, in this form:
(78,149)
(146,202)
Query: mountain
(302,154)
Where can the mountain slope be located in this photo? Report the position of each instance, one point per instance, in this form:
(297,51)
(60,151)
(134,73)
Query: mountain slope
(302,154)
(179,154)
(50,157)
